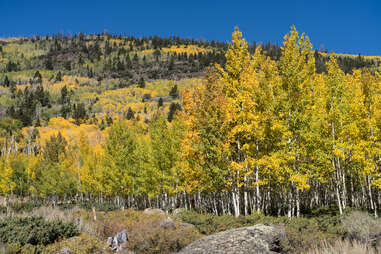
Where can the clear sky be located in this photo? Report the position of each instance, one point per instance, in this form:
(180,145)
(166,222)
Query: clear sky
(351,26)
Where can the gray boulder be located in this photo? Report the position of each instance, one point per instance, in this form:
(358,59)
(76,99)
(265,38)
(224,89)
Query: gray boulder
(65,250)
(118,241)
(167,223)
(177,211)
(258,239)
(151,211)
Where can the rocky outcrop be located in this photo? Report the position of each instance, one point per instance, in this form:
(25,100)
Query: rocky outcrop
(167,223)
(258,239)
(151,211)
(65,250)
(177,211)
(118,242)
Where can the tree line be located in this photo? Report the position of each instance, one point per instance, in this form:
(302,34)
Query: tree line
(258,135)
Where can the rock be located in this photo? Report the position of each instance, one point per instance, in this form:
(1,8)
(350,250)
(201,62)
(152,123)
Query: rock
(118,242)
(151,211)
(258,239)
(186,225)
(122,236)
(167,223)
(178,211)
(65,250)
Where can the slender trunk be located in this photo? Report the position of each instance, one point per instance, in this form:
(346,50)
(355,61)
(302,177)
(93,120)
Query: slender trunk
(341,178)
(370,194)
(245,198)
(363,194)
(336,170)
(235,201)
(297,203)
(258,194)
(338,197)
(289,204)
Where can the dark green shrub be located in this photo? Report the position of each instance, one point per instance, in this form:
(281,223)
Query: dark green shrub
(16,248)
(103,207)
(25,206)
(301,233)
(361,227)
(34,230)
(81,244)
(66,206)
(210,224)
(3,210)
(205,223)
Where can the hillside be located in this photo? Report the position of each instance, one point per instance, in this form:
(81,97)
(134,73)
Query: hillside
(103,76)
(230,129)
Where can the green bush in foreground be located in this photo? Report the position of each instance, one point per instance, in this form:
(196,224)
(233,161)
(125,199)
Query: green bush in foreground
(301,233)
(25,206)
(103,207)
(83,244)
(34,231)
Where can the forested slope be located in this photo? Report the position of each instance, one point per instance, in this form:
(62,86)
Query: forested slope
(170,122)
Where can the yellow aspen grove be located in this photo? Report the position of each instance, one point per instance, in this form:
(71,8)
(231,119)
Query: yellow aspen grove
(205,150)
(336,102)
(275,130)
(6,183)
(365,109)
(377,130)
(238,89)
(297,69)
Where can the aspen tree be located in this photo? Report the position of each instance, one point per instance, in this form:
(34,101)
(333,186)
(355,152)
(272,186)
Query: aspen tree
(296,68)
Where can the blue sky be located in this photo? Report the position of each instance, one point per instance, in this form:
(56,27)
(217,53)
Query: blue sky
(343,26)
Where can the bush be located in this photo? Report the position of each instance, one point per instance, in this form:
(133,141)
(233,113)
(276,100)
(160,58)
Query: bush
(342,247)
(34,230)
(3,209)
(19,207)
(25,206)
(210,224)
(65,206)
(360,226)
(301,233)
(146,233)
(16,248)
(82,244)
(103,207)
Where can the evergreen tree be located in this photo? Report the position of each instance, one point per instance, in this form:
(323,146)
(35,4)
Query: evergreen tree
(49,64)
(79,113)
(54,148)
(160,102)
(174,92)
(141,83)
(130,114)
(37,77)
(6,81)
(172,110)
(59,76)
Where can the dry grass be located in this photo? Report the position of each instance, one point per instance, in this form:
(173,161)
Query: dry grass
(343,247)
(361,226)
(83,244)
(146,233)
(78,216)
(48,212)
(362,231)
